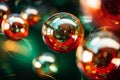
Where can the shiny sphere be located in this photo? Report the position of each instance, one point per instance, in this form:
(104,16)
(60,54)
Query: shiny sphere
(45,65)
(62,32)
(99,57)
(15,27)
(31,15)
(111,10)
(4,11)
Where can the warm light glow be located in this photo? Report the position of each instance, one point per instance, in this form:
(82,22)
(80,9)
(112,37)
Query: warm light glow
(5,16)
(36,18)
(49,31)
(24,16)
(116,61)
(37,65)
(79,52)
(87,56)
(74,37)
(6,26)
(87,67)
(94,71)
(90,6)
(16,48)
(22,30)
(116,22)
(93,3)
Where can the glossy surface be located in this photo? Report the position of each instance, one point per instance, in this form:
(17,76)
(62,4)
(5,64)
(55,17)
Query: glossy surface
(45,65)
(62,32)
(4,11)
(31,15)
(99,58)
(111,10)
(15,27)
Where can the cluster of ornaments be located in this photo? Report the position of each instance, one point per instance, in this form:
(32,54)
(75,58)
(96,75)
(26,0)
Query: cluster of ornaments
(15,26)
(98,55)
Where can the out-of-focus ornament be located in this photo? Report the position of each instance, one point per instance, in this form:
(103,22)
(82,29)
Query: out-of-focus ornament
(89,7)
(45,65)
(4,11)
(62,32)
(15,27)
(31,15)
(99,57)
(111,10)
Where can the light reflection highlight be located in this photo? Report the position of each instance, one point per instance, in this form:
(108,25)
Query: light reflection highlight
(99,57)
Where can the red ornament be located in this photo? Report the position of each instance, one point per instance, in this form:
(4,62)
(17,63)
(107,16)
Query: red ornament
(31,15)
(111,10)
(4,11)
(99,57)
(62,32)
(15,27)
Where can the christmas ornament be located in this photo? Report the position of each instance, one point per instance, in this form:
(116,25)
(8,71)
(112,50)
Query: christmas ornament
(111,10)
(62,32)
(45,65)
(99,58)
(31,15)
(4,11)
(15,27)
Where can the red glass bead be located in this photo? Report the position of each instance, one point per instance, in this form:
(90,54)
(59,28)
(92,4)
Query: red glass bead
(62,32)
(99,57)
(15,27)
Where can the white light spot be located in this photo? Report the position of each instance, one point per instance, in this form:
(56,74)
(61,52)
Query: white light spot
(87,56)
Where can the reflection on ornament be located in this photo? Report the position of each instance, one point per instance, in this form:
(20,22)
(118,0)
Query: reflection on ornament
(99,58)
(111,10)
(31,15)
(45,65)
(62,32)
(4,11)
(15,27)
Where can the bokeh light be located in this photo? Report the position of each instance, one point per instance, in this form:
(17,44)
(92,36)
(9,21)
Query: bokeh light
(62,32)
(15,27)
(99,56)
